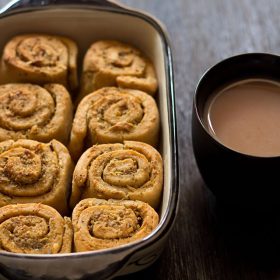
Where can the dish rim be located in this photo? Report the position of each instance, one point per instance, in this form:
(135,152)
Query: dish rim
(167,221)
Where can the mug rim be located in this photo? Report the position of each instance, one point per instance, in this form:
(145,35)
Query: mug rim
(204,77)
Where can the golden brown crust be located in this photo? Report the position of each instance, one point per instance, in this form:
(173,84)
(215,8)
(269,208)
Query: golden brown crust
(30,111)
(100,224)
(34,228)
(132,170)
(112,63)
(112,115)
(31,171)
(40,59)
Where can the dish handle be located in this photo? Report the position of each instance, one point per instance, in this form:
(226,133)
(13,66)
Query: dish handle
(18,5)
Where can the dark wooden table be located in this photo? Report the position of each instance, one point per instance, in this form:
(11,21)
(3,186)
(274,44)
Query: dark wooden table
(204,243)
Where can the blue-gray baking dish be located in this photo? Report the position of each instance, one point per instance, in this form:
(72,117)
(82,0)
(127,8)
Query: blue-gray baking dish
(87,21)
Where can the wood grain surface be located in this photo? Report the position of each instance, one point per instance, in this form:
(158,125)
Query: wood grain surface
(207,244)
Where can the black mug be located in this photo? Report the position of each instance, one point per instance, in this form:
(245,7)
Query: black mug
(236,179)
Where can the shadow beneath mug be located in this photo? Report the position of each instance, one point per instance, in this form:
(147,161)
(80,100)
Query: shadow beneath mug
(251,237)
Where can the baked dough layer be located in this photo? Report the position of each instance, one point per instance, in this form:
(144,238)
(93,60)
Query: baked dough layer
(29,111)
(100,224)
(40,59)
(32,171)
(132,170)
(112,63)
(112,115)
(34,228)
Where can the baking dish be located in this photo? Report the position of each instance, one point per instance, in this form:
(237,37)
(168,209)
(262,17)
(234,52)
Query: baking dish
(86,22)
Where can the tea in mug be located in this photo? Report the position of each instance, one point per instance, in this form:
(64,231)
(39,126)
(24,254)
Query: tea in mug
(245,116)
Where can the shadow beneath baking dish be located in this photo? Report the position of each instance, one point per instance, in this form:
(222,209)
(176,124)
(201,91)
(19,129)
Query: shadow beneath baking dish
(149,273)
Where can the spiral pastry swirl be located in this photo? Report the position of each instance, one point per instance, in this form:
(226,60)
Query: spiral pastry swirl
(40,59)
(100,224)
(32,171)
(132,170)
(112,115)
(30,111)
(112,63)
(34,228)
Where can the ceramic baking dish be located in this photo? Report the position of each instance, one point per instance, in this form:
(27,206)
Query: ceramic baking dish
(86,22)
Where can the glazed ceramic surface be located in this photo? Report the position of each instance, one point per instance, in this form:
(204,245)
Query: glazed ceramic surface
(86,22)
(241,181)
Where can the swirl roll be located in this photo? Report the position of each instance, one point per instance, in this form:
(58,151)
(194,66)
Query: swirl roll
(31,171)
(132,170)
(112,115)
(34,228)
(40,59)
(30,111)
(100,224)
(112,63)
